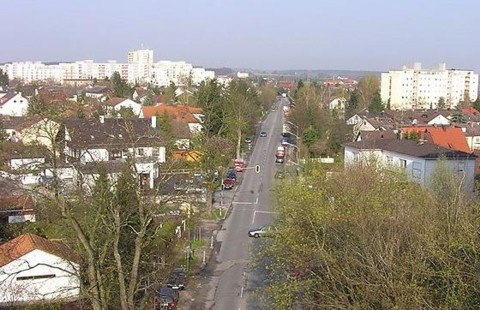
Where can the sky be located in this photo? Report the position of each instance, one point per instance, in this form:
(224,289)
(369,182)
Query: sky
(373,35)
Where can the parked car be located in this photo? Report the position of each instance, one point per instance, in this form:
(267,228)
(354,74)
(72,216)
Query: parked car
(167,298)
(177,279)
(239,165)
(228,183)
(248,140)
(232,174)
(263,134)
(264,231)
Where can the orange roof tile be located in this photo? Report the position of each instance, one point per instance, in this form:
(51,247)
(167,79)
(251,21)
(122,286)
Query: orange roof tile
(17,202)
(449,137)
(178,112)
(26,243)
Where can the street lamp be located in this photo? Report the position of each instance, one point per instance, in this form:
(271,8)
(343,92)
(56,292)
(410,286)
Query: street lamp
(296,135)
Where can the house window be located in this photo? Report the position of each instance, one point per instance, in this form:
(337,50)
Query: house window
(461,167)
(417,170)
(403,163)
(46,276)
(140,151)
(116,154)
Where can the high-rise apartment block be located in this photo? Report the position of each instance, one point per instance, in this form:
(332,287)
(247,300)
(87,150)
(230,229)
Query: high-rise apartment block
(139,68)
(417,88)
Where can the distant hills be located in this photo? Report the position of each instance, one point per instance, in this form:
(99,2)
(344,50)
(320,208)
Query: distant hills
(297,74)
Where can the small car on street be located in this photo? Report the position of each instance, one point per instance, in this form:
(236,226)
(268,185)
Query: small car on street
(264,231)
(166,298)
(228,183)
(263,134)
(177,279)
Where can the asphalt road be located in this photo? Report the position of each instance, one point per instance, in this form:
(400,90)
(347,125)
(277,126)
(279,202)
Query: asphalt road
(252,207)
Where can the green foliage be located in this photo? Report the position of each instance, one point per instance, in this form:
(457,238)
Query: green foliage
(126,112)
(3,78)
(210,99)
(376,105)
(441,103)
(476,104)
(353,101)
(267,96)
(120,86)
(363,239)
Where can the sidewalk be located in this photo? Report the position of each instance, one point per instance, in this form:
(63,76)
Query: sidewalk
(197,293)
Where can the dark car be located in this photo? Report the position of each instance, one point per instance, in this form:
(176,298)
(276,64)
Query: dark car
(177,278)
(232,174)
(263,134)
(228,183)
(167,298)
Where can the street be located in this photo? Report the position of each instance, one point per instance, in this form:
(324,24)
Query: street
(252,207)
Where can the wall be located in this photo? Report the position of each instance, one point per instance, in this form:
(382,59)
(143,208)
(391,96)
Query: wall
(65,284)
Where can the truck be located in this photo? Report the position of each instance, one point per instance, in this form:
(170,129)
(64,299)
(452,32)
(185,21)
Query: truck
(280,154)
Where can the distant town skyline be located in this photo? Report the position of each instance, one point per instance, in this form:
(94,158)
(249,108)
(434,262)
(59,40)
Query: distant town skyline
(370,35)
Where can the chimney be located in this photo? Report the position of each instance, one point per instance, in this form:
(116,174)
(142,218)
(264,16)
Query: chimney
(154,121)
(102,119)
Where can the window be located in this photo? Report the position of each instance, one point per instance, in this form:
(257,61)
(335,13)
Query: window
(403,163)
(140,151)
(417,170)
(46,276)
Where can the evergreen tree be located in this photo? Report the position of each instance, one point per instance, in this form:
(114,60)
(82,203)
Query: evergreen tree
(376,105)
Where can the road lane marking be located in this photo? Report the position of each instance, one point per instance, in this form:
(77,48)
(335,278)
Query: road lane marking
(266,212)
(242,203)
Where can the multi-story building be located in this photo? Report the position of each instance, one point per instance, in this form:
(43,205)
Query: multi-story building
(417,88)
(140,68)
(141,62)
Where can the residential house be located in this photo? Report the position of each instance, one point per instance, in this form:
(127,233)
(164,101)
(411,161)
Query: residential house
(91,141)
(97,92)
(16,204)
(367,121)
(376,134)
(185,120)
(34,269)
(16,209)
(337,104)
(114,105)
(31,130)
(445,136)
(421,117)
(418,159)
(472,135)
(13,104)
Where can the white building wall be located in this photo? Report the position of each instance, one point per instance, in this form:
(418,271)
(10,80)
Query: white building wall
(62,283)
(16,106)
(417,88)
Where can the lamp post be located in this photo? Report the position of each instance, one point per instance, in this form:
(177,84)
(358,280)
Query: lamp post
(296,135)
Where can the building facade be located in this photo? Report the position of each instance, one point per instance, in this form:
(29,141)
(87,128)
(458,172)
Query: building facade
(417,88)
(139,68)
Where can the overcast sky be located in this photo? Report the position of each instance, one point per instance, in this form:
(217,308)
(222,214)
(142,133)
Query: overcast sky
(259,34)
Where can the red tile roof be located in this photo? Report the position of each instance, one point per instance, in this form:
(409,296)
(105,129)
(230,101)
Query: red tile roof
(445,136)
(16,202)
(26,243)
(178,112)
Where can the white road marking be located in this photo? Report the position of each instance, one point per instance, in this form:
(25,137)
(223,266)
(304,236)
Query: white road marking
(266,212)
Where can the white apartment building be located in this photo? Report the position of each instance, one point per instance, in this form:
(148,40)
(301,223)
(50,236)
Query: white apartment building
(417,88)
(141,62)
(164,72)
(140,68)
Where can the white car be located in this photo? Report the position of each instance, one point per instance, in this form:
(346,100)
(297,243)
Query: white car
(264,231)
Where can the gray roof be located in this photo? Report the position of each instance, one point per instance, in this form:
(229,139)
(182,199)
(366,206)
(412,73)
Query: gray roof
(112,133)
(424,150)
